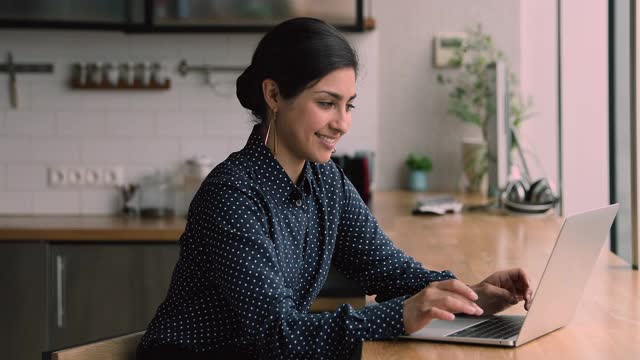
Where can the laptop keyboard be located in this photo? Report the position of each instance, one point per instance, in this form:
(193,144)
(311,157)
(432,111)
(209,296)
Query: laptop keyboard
(499,327)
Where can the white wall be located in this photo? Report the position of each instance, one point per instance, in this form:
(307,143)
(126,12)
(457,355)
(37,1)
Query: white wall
(539,79)
(413,107)
(141,130)
(584,105)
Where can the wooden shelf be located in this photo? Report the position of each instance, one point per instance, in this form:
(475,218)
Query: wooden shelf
(137,85)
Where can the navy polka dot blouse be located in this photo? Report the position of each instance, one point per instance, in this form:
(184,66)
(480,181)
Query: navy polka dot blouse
(256,251)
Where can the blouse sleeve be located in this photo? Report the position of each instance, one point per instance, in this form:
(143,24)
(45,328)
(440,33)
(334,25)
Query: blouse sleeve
(232,232)
(365,254)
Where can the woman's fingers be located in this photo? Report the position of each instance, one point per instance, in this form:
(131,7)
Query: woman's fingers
(437,313)
(458,287)
(450,301)
(438,301)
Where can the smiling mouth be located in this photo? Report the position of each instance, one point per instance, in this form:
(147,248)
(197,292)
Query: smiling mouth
(327,140)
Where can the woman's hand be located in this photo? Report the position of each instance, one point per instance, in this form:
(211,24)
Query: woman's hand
(439,300)
(502,290)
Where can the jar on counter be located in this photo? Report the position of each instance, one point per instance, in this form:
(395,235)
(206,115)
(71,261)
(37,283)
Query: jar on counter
(196,169)
(157,195)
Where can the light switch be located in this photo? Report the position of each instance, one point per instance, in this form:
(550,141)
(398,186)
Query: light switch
(445,45)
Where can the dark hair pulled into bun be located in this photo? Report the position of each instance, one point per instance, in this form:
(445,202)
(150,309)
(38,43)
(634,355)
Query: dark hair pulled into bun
(295,54)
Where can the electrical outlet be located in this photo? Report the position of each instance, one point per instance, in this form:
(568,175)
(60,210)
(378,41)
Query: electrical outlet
(112,176)
(85,176)
(57,177)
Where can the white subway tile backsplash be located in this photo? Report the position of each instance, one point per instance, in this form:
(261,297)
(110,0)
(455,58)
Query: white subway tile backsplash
(56,202)
(237,143)
(131,152)
(53,95)
(16,203)
(2,123)
(183,123)
(3,178)
(150,47)
(23,90)
(96,202)
(141,131)
(235,124)
(81,123)
(15,151)
(133,174)
(129,123)
(31,123)
(26,178)
(241,48)
(161,100)
(198,96)
(215,148)
(205,49)
(56,151)
(102,100)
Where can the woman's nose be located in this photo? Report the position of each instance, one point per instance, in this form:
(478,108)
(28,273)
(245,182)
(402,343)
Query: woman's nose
(342,121)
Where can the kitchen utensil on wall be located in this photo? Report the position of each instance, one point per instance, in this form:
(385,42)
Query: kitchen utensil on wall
(13,68)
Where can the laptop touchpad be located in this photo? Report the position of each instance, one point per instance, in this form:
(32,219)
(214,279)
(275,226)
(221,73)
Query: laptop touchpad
(444,327)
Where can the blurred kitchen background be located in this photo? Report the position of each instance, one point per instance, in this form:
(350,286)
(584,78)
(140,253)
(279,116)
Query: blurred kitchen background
(57,129)
(75,142)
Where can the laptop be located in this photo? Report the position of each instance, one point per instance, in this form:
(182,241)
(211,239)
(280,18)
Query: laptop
(561,286)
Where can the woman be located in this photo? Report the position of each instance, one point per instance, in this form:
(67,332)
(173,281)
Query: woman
(267,223)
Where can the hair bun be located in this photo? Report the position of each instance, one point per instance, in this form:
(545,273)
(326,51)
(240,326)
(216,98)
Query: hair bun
(246,86)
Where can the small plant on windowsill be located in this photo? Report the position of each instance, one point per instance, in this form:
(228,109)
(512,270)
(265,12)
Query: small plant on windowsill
(419,166)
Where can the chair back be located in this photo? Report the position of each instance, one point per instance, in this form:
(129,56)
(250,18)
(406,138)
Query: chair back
(116,348)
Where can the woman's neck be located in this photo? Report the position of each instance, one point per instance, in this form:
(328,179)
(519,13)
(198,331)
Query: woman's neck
(292,165)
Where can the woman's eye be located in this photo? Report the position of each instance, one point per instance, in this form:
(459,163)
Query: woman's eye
(350,107)
(325,104)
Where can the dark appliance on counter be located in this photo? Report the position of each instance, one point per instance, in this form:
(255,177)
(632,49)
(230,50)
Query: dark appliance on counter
(356,168)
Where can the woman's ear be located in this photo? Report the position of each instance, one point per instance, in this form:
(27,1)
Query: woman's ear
(271,94)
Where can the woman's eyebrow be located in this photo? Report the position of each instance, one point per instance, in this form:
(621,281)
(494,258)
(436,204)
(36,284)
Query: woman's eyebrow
(335,95)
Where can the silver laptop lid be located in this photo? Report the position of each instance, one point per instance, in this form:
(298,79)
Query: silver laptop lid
(569,268)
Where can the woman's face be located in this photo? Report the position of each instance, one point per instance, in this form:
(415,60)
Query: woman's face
(310,125)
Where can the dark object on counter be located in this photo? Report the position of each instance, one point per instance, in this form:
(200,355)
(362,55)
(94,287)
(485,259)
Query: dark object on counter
(127,192)
(357,171)
(155,212)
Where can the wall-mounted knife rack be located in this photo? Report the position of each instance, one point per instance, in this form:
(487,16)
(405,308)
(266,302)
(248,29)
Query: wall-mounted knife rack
(13,68)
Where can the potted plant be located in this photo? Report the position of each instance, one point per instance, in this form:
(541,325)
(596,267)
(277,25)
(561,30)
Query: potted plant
(470,94)
(419,166)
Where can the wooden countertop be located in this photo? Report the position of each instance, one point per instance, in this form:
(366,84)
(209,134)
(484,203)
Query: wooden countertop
(89,228)
(473,245)
(121,228)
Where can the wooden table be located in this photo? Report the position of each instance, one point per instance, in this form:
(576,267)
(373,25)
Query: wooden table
(473,245)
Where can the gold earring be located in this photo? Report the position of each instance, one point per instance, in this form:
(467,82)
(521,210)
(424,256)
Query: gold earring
(275,133)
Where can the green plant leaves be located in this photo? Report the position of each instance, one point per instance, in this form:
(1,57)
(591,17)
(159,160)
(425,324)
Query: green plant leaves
(419,163)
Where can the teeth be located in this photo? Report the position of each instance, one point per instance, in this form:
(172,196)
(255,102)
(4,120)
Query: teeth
(327,139)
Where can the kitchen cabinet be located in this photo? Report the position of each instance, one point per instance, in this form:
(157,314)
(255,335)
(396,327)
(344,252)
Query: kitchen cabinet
(179,15)
(23,300)
(71,14)
(60,294)
(101,290)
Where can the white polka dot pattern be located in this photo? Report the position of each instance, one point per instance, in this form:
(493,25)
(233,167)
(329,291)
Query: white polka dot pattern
(256,251)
